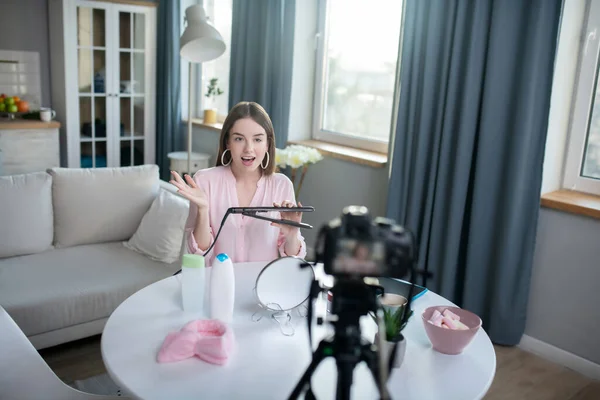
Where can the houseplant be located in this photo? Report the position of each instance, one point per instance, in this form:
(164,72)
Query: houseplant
(210,113)
(394,324)
(297,158)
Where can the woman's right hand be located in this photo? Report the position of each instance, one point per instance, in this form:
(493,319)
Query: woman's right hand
(190,190)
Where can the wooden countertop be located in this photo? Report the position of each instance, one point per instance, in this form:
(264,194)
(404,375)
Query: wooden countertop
(27,124)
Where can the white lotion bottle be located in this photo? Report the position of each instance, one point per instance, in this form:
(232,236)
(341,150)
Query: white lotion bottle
(222,289)
(193,281)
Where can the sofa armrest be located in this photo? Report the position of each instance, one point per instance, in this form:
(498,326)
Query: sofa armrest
(167,186)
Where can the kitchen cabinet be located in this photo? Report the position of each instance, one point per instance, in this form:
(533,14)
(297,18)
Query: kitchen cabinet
(28,146)
(103,81)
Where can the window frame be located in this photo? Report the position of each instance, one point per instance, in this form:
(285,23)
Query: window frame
(583,95)
(320,89)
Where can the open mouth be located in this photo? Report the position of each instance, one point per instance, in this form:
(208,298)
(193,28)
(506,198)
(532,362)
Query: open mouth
(247,161)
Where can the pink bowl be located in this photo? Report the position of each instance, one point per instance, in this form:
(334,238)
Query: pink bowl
(450,341)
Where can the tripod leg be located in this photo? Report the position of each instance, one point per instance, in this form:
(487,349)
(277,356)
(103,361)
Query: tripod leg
(317,357)
(370,358)
(344,383)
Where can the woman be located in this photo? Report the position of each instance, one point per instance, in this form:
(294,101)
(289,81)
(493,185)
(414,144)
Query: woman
(243,177)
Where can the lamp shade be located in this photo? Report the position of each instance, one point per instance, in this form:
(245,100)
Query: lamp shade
(200,41)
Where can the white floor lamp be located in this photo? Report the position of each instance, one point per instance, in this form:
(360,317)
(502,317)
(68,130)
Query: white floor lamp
(199,43)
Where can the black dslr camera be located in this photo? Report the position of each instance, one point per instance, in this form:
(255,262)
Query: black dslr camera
(351,248)
(356,246)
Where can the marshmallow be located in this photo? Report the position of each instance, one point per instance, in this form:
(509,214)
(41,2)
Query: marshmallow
(461,326)
(447,321)
(451,315)
(436,318)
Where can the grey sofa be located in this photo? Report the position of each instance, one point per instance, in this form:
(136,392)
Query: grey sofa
(64,267)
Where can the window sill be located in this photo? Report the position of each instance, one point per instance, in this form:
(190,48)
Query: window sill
(200,123)
(358,156)
(136,3)
(573,202)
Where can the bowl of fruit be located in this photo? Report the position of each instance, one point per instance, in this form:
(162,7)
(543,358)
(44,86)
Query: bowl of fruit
(11,106)
(450,329)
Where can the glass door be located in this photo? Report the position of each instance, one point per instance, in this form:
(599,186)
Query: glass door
(132,88)
(91,92)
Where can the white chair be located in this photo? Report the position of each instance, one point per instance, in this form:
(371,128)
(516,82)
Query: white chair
(25,375)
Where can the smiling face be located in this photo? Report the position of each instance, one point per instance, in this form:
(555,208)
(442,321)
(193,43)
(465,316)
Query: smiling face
(247,143)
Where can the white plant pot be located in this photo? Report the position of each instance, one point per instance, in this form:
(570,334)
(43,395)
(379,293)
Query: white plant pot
(400,350)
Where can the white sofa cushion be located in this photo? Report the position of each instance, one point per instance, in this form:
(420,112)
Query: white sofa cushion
(160,234)
(26,221)
(64,287)
(100,205)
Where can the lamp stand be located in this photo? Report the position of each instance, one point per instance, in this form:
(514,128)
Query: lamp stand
(189,124)
(200,42)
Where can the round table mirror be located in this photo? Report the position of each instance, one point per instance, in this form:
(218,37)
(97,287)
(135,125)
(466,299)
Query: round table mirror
(282,286)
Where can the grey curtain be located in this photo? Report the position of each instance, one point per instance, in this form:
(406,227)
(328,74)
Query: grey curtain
(467,158)
(262,47)
(169,133)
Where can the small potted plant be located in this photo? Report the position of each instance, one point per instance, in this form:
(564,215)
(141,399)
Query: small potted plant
(393,323)
(210,114)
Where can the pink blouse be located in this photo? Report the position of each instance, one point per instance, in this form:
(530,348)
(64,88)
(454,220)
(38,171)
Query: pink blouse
(242,238)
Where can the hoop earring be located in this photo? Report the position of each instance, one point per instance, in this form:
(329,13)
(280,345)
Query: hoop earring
(265,167)
(222,155)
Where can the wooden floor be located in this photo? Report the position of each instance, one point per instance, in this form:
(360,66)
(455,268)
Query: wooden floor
(519,374)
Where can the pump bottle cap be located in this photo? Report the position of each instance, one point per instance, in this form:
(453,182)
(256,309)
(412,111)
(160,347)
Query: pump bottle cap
(222,257)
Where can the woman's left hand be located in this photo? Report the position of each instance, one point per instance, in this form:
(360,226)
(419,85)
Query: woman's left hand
(288,230)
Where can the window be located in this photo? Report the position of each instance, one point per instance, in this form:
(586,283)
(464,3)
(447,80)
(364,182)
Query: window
(582,167)
(357,63)
(219,15)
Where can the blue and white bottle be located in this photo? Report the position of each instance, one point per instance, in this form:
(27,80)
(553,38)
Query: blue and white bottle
(222,289)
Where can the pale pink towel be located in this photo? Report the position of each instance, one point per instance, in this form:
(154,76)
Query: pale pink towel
(209,340)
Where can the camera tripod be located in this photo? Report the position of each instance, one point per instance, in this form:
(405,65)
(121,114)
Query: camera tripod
(351,300)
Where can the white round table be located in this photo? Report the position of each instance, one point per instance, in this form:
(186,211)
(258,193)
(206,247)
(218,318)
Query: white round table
(267,364)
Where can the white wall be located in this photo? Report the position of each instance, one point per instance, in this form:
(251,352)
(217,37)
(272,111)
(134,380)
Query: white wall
(204,141)
(333,184)
(564,298)
(25,28)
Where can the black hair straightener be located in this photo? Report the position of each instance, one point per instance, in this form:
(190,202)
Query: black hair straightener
(253,212)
